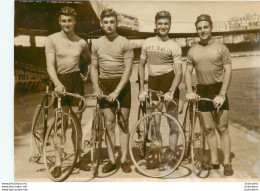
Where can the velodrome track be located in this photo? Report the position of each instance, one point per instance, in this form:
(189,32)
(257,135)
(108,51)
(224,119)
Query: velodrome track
(244,95)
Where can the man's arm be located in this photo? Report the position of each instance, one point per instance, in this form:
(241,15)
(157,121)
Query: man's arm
(94,76)
(141,73)
(226,79)
(220,98)
(188,82)
(86,56)
(128,62)
(188,78)
(177,78)
(175,83)
(50,62)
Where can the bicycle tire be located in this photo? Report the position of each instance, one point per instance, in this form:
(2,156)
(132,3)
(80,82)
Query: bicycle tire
(141,130)
(62,144)
(187,128)
(198,156)
(153,153)
(97,129)
(37,134)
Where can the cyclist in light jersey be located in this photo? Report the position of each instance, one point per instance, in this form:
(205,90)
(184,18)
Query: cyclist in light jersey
(212,63)
(164,59)
(113,55)
(63,50)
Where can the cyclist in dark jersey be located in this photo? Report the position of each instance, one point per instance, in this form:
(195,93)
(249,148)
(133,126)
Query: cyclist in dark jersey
(63,50)
(113,55)
(212,63)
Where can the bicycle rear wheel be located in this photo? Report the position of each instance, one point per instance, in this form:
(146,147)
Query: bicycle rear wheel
(37,134)
(156,161)
(199,158)
(61,147)
(97,129)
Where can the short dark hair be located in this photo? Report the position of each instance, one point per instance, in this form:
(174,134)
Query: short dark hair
(163,14)
(68,11)
(204,17)
(108,13)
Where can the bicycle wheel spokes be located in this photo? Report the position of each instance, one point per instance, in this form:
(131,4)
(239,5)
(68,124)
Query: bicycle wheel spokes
(158,152)
(61,148)
(97,128)
(187,131)
(37,134)
(198,155)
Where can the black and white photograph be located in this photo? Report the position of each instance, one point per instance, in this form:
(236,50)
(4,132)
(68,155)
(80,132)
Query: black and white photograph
(136,91)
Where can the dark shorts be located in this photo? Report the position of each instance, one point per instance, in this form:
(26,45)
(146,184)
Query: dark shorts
(162,83)
(210,91)
(73,84)
(108,86)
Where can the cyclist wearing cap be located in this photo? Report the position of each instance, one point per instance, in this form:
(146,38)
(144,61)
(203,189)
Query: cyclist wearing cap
(212,63)
(164,58)
(63,50)
(112,56)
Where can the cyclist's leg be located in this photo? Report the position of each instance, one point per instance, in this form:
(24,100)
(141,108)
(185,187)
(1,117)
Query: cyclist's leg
(222,128)
(124,132)
(174,131)
(209,126)
(78,118)
(110,119)
(155,83)
(157,121)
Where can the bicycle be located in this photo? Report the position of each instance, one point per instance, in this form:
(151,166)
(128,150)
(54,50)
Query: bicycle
(39,125)
(149,147)
(97,131)
(195,138)
(60,151)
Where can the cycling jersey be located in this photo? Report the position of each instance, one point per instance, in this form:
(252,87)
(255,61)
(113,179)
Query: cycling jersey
(111,55)
(67,51)
(208,61)
(160,55)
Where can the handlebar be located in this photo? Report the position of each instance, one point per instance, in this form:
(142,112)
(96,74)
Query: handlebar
(103,97)
(60,94)
(196,100)
(159,95)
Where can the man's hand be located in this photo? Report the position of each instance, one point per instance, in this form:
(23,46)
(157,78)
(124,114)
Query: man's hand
(83,78)
(112,97)
(218,101)
(168,96)
(142,95)
(191,96)
(60,88)
(97,92)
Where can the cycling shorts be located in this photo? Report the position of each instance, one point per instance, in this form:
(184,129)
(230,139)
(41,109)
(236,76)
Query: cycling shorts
(162,83)
(73,84)
(108,86)
(210,91)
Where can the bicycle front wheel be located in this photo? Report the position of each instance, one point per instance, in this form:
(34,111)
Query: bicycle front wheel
(61,147)
(164,149)
(199,159)
(187,126)
(37,134)
(97,129)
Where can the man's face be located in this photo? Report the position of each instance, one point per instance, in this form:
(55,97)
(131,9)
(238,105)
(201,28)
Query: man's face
(163,26)
(67,23)
(204,30)
(109,24)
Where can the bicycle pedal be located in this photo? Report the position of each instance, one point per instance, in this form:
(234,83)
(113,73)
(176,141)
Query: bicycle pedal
(87,143)
(139,140)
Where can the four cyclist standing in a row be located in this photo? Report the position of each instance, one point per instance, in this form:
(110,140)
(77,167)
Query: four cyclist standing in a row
(111,67)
